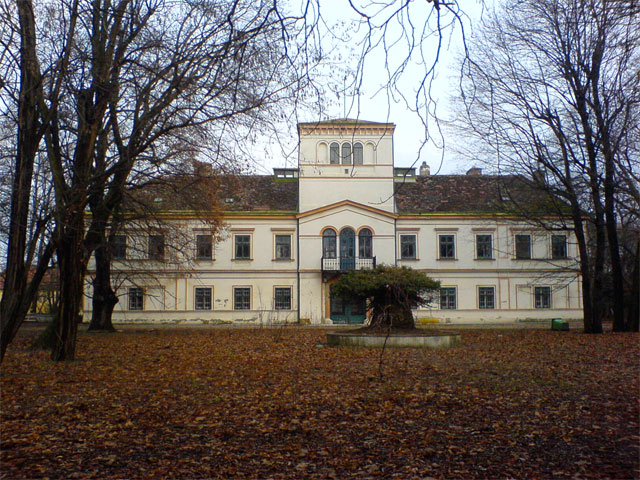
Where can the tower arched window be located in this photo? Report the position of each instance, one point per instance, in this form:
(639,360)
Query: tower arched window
(358,154)
(346,153)
(329,249)
(365,243)
(334,153)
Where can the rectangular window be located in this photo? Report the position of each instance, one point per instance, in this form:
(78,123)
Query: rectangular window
(242,298)
(204,247)
(156,247)
(203,298)
(447,244)
(558,246)
(408,246)
(243,247)
(486,297)
(119,247)
(484,247)
(523,246)
(542,297)
(136,298)
(448,298)
(282,298)
(283,247)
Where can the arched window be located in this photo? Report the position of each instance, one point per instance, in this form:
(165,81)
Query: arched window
(346,153)
(365,243)
(329,244)
(347,243)
(334,153)
(357,153)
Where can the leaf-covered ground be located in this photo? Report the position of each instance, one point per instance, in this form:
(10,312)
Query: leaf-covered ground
(274,403)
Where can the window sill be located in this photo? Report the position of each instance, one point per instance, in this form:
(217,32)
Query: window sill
(447,259)
(205,259)
(241,259)
(282,260)
(409,259)
(485,259)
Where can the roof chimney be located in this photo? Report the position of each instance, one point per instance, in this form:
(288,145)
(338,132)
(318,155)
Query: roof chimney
(539,176)
(474,172)
(425,171)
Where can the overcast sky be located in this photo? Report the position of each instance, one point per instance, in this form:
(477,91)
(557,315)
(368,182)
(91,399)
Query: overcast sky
(375,105)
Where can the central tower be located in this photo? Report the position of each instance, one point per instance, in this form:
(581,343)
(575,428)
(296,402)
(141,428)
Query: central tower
(345,159)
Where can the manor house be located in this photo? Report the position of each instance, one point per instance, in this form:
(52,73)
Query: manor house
(286,237)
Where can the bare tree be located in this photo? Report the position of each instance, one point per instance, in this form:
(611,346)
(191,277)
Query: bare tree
(24,91)
(552,92)
(191,187)
(128,78)
(110,85)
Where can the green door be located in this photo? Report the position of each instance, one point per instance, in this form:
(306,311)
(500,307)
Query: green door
(347,311)
(347,249)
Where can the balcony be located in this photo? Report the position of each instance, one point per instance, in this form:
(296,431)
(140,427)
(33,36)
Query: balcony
(345,264)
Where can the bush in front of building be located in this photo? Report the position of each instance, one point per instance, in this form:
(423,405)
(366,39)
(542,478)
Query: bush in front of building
(390,292)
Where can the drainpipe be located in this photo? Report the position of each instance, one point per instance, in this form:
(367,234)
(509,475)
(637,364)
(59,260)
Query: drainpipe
(395,241)
(298,267)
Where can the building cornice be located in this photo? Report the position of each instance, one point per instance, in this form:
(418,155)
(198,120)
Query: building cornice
(346,127)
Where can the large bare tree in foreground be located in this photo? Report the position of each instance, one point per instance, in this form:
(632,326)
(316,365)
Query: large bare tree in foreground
(107,89)
(553,90)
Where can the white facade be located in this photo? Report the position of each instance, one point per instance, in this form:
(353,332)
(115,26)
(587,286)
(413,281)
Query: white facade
(272,265)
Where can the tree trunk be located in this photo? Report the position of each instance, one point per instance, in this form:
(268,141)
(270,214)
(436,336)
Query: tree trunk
(17,305)
(633,305)
(587,299)
(72,272)
(104,298)
(392,317)
(12,311)
(612,238)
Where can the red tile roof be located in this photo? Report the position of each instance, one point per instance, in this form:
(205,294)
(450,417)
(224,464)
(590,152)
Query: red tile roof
(468,194)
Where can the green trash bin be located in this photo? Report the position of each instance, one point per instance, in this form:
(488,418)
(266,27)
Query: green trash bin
(559,325)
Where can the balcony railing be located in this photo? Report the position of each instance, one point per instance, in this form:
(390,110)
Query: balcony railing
(342,264)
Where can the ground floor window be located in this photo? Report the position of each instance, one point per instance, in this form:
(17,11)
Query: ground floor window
(136,298)
(542,297)
(242,298)
(486,297)
(282,298)
(448,298)
(203,298)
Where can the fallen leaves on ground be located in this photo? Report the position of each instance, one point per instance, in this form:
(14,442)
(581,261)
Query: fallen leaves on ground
(277,403)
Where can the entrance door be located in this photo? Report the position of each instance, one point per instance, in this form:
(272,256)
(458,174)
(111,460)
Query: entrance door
(347,311)
(347,249)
